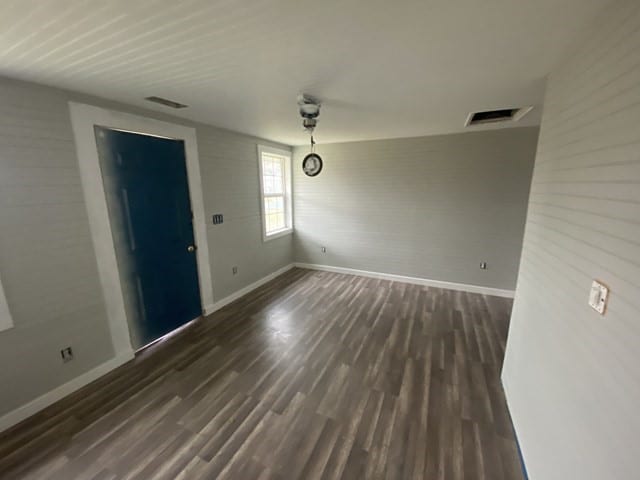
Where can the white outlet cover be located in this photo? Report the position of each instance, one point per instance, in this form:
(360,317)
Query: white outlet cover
(598,297)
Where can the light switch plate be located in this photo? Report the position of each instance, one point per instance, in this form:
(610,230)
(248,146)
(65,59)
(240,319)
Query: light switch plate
(598,297)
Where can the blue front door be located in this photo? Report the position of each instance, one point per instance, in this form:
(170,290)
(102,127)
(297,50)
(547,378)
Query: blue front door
(147,190)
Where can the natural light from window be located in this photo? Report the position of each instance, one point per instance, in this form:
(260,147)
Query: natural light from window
(275,182)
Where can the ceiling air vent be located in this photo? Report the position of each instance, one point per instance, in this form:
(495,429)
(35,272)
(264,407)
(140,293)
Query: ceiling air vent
(165,102)
(497,116)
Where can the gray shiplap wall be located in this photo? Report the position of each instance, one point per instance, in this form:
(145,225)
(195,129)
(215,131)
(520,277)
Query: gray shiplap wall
(429,207)
(572,377)
(47,263)
(47,260)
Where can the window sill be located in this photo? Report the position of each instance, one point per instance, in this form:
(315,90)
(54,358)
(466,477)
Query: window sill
(278,234)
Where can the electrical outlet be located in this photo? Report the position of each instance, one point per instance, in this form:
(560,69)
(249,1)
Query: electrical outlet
(234,270)
(323,249)
(483,265)
(66,354)
(217,218)
(598,296)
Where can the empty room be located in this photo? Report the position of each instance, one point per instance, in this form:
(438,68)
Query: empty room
(278,239)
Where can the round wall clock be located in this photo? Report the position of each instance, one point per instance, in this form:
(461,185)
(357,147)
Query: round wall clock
(312,164)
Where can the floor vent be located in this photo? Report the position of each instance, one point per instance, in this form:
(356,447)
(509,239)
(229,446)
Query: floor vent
(501,115)
(165,102)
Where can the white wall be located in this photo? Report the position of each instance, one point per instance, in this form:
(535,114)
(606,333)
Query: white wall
(47,261)
(572,377)
(427,207)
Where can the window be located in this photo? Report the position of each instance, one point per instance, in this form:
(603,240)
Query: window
(275,189)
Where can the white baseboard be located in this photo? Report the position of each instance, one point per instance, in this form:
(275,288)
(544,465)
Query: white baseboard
(207,309)
(243,291)
(462,287)
(19,414)
(34,406)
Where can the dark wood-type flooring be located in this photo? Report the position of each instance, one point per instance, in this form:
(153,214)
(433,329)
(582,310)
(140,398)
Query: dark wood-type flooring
(315,375)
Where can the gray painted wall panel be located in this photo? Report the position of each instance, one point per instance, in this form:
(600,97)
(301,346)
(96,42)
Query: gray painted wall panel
(431,207)
(231,186)
(47,260)
(572,377)
(49,270)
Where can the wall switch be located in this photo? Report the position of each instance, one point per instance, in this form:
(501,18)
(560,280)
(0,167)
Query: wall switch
(217,218)
(66,354)
(234,270)
(598,297)
(483,265)
(323,249)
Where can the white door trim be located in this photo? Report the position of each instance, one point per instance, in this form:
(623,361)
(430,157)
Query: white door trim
(83,119)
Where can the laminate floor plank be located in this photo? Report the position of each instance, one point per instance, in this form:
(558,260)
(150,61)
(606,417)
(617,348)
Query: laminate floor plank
(314,375)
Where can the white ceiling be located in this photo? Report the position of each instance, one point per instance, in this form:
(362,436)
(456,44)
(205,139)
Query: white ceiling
(382,68)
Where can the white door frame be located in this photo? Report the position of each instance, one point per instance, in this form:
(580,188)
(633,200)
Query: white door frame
(83,119)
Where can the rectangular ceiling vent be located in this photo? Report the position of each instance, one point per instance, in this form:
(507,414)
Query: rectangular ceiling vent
(165,102)
(497,116)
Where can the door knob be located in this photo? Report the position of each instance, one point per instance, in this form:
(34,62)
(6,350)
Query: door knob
(191,248)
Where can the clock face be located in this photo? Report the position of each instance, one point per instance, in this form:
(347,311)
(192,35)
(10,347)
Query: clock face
(312,164)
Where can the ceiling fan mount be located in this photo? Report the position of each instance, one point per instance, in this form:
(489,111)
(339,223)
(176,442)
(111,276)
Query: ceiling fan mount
(309,110)
(309,107)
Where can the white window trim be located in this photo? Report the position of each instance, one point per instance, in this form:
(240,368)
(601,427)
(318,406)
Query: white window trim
(288,204)
(6,322)
(83,119)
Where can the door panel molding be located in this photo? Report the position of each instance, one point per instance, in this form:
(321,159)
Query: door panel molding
(83,119)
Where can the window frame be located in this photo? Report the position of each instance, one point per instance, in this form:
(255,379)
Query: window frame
(6,322)
(288,204)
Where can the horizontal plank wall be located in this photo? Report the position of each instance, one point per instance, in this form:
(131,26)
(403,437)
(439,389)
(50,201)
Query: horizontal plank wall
(231,186)
(430,208)
(572,377)
(47,262)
